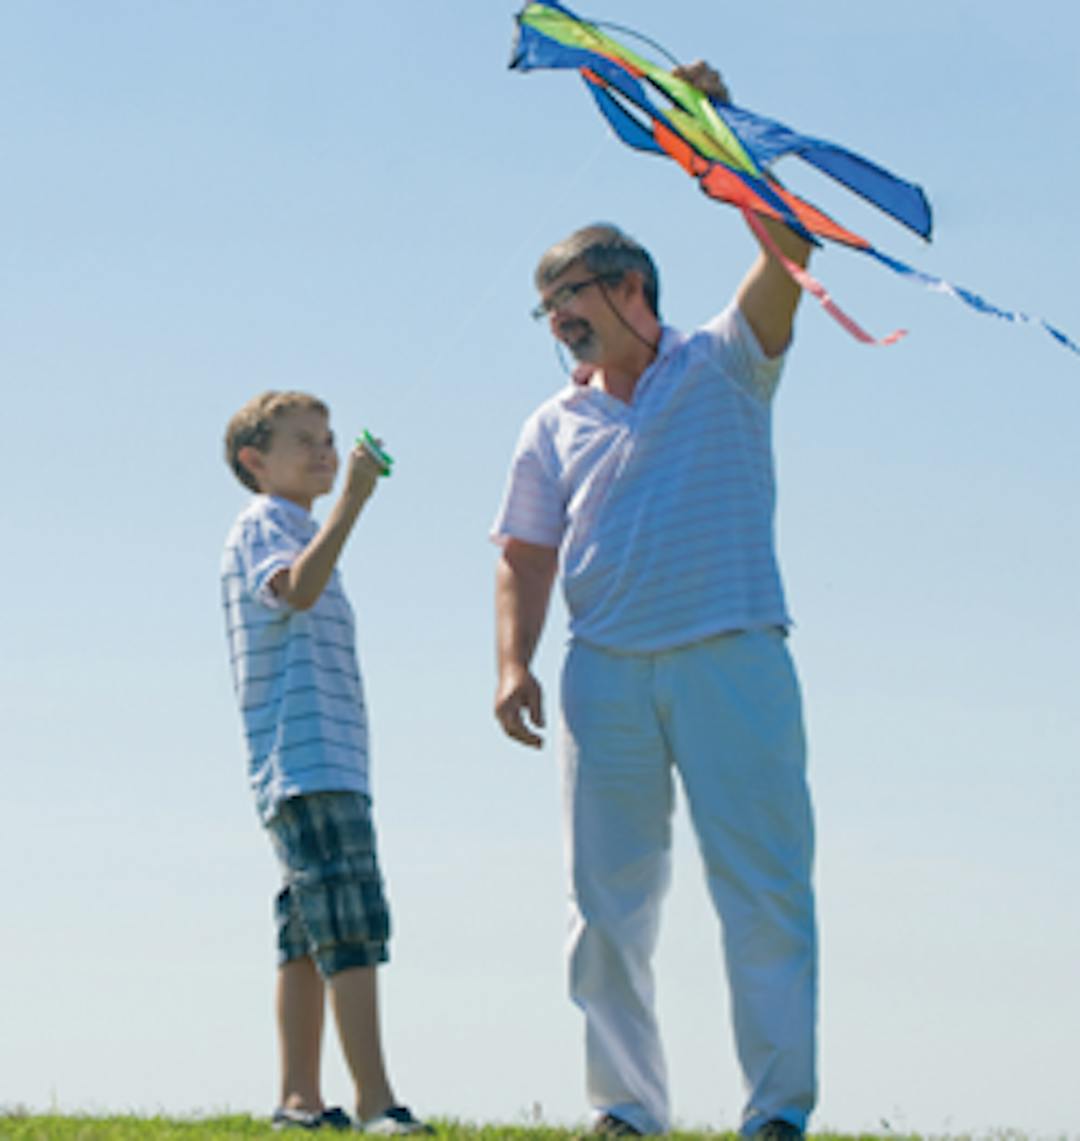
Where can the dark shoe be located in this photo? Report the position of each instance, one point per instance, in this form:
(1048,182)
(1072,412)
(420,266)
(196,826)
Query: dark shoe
(335,1118)
(779,1130)
(611,1126)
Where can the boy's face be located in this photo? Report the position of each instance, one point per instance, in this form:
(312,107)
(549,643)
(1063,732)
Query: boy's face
(300,463)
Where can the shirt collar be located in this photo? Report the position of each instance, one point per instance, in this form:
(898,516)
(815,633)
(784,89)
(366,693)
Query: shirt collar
(299,513)
(669,339)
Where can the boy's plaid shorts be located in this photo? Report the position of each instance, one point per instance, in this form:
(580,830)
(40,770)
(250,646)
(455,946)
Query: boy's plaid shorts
(332,905)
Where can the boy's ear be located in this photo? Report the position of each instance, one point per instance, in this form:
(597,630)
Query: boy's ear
(251,458)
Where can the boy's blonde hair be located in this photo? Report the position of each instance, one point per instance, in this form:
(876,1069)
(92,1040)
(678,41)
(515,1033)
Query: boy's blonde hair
(253,426)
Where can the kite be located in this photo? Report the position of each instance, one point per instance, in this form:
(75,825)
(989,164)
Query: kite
(730,151)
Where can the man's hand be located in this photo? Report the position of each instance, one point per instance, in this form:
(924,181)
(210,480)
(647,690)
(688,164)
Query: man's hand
(523,579)
(705,78)
(518,693)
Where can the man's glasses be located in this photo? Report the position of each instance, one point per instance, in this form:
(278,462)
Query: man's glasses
(566,293)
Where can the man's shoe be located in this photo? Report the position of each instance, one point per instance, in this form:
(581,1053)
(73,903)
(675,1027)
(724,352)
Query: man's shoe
(779,1130)
(397,1121)
(335,1118)
(611,1126)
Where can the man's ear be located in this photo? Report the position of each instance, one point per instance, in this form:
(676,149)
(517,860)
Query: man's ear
(635,282)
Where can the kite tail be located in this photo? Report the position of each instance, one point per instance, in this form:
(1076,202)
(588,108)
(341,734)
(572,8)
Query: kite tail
(814,287)
(979,304)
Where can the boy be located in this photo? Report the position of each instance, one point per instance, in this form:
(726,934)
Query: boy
(293,654)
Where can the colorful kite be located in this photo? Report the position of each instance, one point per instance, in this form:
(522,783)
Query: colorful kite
(729,151)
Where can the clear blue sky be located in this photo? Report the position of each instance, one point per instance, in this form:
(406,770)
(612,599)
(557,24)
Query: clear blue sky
(206,198)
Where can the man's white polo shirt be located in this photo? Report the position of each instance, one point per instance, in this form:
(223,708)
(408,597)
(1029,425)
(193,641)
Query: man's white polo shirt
(295,671)
(663,508)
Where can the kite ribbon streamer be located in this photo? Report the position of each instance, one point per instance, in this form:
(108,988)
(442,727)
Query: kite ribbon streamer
(980,304)
(814,287)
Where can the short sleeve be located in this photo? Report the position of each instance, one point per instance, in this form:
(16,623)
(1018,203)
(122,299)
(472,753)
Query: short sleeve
(266,547)
(736,349)
(532,508)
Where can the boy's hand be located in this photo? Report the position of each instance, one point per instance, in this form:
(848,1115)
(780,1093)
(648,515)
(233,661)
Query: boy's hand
(361,474)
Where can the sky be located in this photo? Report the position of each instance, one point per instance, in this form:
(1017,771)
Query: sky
(203,199)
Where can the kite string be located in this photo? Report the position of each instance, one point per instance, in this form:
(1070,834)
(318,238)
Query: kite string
(530,241)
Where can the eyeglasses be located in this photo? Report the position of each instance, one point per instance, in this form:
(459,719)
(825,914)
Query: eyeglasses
(566,293)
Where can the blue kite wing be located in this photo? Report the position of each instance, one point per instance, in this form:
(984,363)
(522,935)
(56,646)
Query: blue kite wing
(767,140)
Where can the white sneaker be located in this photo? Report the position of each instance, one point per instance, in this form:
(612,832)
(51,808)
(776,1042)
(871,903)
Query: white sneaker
(305,1119)
(395,1122)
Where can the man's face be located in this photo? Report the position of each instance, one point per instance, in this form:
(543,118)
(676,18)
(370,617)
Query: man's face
(580,311)
(302,460)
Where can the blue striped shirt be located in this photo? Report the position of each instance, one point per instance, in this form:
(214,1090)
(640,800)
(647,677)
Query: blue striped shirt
(295,672)
(662,508)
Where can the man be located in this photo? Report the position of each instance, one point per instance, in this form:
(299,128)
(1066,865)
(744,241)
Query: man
(650,479)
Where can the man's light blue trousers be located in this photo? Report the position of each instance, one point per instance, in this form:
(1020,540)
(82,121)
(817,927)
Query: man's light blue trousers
(726,715)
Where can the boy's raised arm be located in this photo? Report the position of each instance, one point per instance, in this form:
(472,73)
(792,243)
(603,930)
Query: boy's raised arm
(301,584)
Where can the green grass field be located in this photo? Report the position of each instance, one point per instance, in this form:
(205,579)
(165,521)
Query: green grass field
(32,1127)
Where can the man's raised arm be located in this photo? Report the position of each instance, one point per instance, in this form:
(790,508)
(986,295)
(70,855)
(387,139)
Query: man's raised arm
(767,297)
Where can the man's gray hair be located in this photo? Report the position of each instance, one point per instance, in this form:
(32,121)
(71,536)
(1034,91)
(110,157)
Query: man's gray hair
(604,250)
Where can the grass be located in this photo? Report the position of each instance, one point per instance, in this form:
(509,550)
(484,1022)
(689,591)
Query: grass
(18,1125)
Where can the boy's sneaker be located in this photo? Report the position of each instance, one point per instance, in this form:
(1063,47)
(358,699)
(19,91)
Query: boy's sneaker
(335,1118)
(395,1122)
